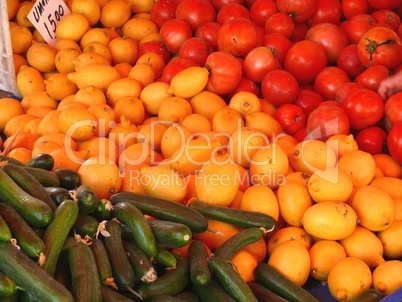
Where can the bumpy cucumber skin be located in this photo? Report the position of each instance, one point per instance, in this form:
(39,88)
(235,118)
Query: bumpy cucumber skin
(87,200)
(5,233)
(170,234)
(85,225)
(46,178)
(200,274)
(102,260)
(213,292)
(165,257)
(142,265)
(263,294)
(110,295)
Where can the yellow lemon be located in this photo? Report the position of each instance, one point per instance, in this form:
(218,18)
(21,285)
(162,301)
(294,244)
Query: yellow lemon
(387,276)
(189,82)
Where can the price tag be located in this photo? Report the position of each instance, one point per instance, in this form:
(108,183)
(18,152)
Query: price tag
(45,15)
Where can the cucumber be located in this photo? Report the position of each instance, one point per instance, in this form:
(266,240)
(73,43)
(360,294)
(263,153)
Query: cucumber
(57,232)
(7,159)
(62,273)
(45,177)
(187,296)
(212,292)
(170,283)
(230,280)
(263,294)
(34,211)
(102,262)
(26,237)
(369,295)
(138,225)
(29,184)
(165,258)
(29,276)
(231,246)
(69,179)
(237,217)
(85,225)
(272,279)
(86,285)
(143,267)
(5,233)
(13,298)
(103,211)
(170,234)
(58,194)
(110,295)
(200,274)
(42,160)
(86,199)
(8,287)
(164,210)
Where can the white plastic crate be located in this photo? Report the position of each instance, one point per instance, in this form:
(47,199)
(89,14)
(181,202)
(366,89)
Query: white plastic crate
(7,71)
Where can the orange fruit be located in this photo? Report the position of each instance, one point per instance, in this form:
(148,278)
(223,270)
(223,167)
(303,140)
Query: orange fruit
(138,28)
(197,123)
(260,199)
(122,88)
(22,154)
(90,96)
(105,116)
(123,49)
(245,102)
(174,109)
(66,43)
(141,6)
(342,143)
(86,58)
(155,60)
(258,249)
(38,98)
(44,147)
(64,59)
(49,123)
(286,142)
(388,165)
(131,108)
(360,165)
(99,146)
(264,123)
(89,8)
(245,263)
(391,185)
(115,13)
(288,233)
(61,139)
(20,140)
(387,277)
(123,134)
(300,177)
(68,102)
(72,26)
(39,111)
(98,48)
(68,158)
(131,179)
(11,108)
(152,134)
(95,34)
(28,80)
(174,138)
(152,95)
(143,73)
(12,8)
(102,175)
(59,86)
(136,154)
(21,39)
(42,56)
(19,61)
(77,123)
(22,14)
(17,124)
(123,68)
(37,37)
(392,246)
(189,82)
(227,120)
(207,103)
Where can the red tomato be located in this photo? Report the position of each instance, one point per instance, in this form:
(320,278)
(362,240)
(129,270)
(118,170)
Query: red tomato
(260,10)
(371,139)
(364,108)
(279,87)
(326,120)
(384,4)
(163,10)
(299,10)
(394,142)
(258,62)
(291,117)
(246,85)
(209,32)
(239,36)
(225,72)
(331,37)
(344,90)
(305,59)
(154,46)
(380,46)
(174,66)
(218,4)
(308,100)
(371,77)
(349,61)
(232,11)
(352,8)
(279,45)
(393,109)
(280,23)
(299,32)
(357,26)
(326,11)
(195,49)
(386,16)
(174,32)
(196,12)
(328,80)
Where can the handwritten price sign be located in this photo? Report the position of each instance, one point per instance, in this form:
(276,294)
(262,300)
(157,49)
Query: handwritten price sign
(45,15)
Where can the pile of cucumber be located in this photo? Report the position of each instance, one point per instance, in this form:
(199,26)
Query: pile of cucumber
(59,242)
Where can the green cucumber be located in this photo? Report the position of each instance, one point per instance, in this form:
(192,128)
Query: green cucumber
(182,297)
(170,283)
(34,211)
(86,285)
(275,281)
(140,229)
(165,258)
(62,273)
(369,295)
(212,292)
(170,234)
(164,210)
(42,160)
(29,184)
(103,211)
(58,194)
(263,294)
(200,274)
(237,217)
(69,179)
(86,199)
(230,280)
(45,177)
(57,232)
(5,233)
(110,295)
(102,262)
(85,226)
(29,276)
(8,287)
(27,239)
(231,246)
(7,159)
(13,298)
(142,265)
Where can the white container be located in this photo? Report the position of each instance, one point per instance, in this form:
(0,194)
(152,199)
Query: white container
(7,72)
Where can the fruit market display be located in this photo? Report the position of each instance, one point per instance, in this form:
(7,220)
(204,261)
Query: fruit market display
(203,150)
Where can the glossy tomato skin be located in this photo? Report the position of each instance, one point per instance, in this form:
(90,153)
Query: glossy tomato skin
(278,44)
(174,66)
(195,49)
(364,108)
(386,16)
(260,10)
(154,46)
(328,80)
(357,26)
(209,32)
(371,139)
(393,109)
(291,117)
(280,23)
(349,61)
(231,11)
(351,8)
(299,10)
(163,10)
(345,90)
(326,11)
(196,12)
(394,142)
(225,72)
(371,77)
(258,62)
(308,100)
(279,87)
(384,4)
(246,84)
(174,32)
(218,4)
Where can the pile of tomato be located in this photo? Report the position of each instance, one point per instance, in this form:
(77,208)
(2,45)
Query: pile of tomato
(319,63)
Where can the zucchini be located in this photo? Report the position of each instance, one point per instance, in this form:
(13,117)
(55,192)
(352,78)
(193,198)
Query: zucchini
(237,217)
(230,280)
(231,246)
(138,225)
(58,194)
(165,258)
(164,210)
(42,160)
(86,199)
(69,179)
(85,226)
(212,292)
(45,177)
(34,211)
(263,294)
(170,283)
(29,276)
(5,233)
(200,274)
(110,295)
(369,295)
(8,287)
(86,285)
(29,184)
(272,279)
(57,232)
(143,267)
(170,234)
(26,237)
(102,262)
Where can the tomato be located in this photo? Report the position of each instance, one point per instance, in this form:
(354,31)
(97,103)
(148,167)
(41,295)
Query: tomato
(308,100)
(300,31)
(380,46)
(196,12)
(349,61)
(352,8)
(260,10)
(280,23)
(174,66)
(163,10)
(299,10)
(371,77)
(225,72)
(209,32)
(246,84)
(278,44)
(394,142)
(344,90)
(357,26)
(232,11)
(291,117)
(386,16)
(364,108)
(393,109)
(384,4)
(174,32)
(371,139)
(326,120)
(218,4)
(326,11)
(328,80)
(279,87)
(239,37)
(305,59)
(331,37)
(195,49)
(258,62)
(154,46)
